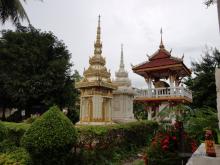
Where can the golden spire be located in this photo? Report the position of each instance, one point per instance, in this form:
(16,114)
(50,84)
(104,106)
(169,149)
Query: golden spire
(98,44)
(161,39)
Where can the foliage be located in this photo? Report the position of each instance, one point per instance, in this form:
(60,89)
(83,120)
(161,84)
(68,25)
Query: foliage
(3,131)
(34,71)
(16,157)
(166,146)
(7,145)
(204,118)
(73,111)
(16,131)
(99,143)
(73,114)
(50,137)
(179,112)
(12,10)
(139,110)
(203,84)
(210,2)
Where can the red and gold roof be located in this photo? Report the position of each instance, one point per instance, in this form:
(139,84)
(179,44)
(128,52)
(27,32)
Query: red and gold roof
(161,64)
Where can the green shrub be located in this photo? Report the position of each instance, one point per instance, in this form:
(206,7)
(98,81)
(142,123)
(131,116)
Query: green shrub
(98,144)
(3,131)
(16,157)
(50,137)
(7,145)
(204,118)
(16,131)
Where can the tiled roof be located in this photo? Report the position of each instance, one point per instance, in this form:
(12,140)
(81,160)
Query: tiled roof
(161,58)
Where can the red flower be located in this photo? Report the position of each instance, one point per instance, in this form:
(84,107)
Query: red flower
(174,138)
(166,142)
(165,147)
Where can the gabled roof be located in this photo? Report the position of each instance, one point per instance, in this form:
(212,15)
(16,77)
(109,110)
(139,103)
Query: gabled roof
(161,60)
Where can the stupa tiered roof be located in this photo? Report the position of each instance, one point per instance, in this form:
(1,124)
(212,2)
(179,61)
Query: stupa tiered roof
(122,75)
(97,74)
(121,79)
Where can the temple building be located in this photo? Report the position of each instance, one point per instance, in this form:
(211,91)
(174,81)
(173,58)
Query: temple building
(124,95)
(96,89)
(163,74)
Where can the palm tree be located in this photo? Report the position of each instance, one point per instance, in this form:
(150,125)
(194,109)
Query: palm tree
(13,10)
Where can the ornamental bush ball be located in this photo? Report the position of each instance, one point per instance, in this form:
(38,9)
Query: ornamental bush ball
(50,138)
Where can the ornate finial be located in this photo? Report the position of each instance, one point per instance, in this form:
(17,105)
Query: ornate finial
(98,44)
(99,20)
(122,58)
(182,56)
(161,39)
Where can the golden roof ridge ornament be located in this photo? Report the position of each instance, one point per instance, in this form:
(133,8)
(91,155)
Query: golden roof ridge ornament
(161,39)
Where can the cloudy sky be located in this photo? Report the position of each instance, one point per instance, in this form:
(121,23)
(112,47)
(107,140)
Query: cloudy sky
(187,27)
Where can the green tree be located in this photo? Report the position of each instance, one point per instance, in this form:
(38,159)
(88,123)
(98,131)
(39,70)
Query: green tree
(203,84)
(73,110)
(13,10)
(34,70)
(204,118)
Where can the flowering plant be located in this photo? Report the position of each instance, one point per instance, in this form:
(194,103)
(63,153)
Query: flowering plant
(168,143)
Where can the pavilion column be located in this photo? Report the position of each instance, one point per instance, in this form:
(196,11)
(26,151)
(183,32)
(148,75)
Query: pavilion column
(81,108)
(149,84)
(171,84)
(149,115)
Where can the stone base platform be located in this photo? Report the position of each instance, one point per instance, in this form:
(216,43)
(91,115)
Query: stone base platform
(94,123)
(199,157)
(124,120)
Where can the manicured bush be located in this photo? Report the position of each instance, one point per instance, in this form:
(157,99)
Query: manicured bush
(17,157)
(129,134)
(15,131)
(7,145)
(98,144)
(3,131)
(50,138)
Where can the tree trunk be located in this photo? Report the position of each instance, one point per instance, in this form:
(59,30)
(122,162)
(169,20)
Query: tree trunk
(3,114)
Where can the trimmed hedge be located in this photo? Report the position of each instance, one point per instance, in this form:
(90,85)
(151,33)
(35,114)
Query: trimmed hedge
(3,131)
(50,138)
(15,131)
(129,134)
(97,144)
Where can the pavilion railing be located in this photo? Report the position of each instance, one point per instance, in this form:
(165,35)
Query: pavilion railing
(164,92)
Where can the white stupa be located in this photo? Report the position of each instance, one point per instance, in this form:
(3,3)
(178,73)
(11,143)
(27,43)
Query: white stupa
(122,97)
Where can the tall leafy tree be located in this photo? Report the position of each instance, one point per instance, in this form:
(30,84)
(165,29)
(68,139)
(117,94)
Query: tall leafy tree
(34,70)
(203,84)
(13,10)
(74,108)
